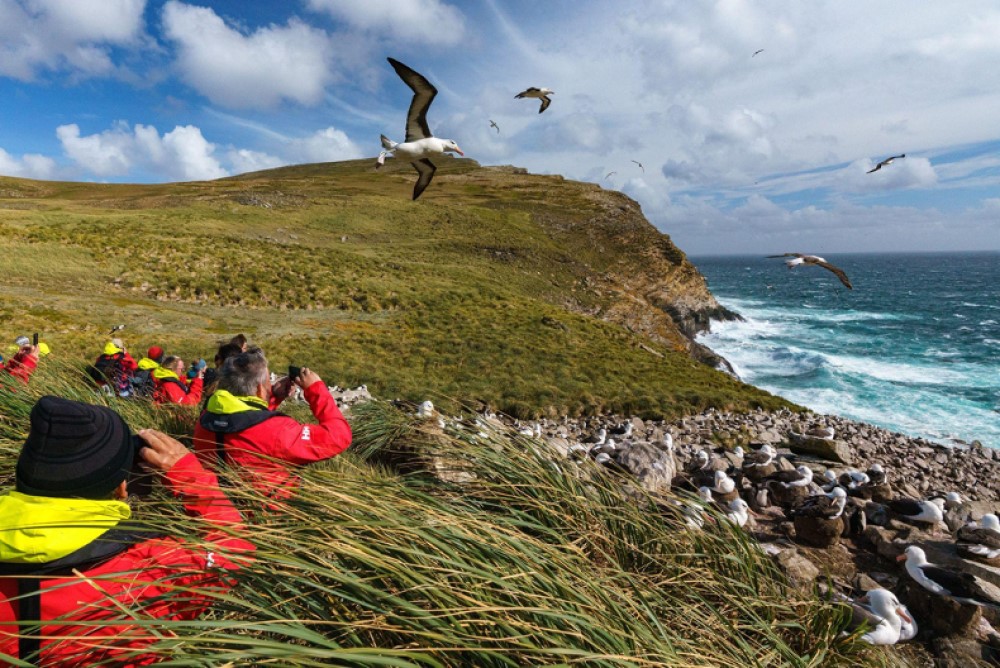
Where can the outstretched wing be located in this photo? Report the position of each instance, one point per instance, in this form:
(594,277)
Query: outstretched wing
(423,95)
(786,255)
(527,92)
(875,168)
(426,170)
(838,272)
(546,101)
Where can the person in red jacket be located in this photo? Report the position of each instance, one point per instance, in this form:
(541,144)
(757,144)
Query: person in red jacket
(240,426)
(22,364)
(170,387)
(70,558)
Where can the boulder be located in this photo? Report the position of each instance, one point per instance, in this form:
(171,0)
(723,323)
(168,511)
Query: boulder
(652,467)
(799,570)
(828,449)
(938,615)
(818,531)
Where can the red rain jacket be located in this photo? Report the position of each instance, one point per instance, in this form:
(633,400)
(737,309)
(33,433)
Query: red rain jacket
(135,578)
(176,391)
(21,365)
(272,441)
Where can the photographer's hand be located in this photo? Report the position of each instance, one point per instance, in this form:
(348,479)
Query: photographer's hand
(307,378)
(161,451)
(282,388)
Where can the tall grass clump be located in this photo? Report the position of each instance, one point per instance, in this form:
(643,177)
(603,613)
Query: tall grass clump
(455,542)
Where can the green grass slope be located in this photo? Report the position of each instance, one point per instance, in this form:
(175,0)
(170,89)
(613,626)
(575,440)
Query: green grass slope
(530,293)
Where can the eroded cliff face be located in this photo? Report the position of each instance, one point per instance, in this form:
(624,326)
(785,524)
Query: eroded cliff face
(631,274)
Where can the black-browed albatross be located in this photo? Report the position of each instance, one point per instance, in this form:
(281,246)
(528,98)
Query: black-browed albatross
(493,124)
(420,144)
(541,93)
(640,166)
(884,163)
(800,258)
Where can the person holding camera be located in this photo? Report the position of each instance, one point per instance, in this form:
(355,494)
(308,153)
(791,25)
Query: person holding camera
(24,362)
(169,388)
(240,427)
(69,557)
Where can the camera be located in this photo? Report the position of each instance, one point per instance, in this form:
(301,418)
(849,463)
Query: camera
(294,372)
(140,479)
(34,339)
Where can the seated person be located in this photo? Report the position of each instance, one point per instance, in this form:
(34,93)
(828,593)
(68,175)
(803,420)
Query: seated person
(238,426)
(113,369)
(22,364)
(170,389)
(66,522)
(143,384)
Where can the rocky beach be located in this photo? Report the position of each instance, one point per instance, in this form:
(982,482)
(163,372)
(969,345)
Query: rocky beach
(862,554)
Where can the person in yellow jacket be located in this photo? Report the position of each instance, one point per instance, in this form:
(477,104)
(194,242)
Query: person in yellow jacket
(170,389)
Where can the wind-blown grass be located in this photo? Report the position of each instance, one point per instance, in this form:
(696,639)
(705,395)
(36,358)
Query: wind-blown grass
(523,559)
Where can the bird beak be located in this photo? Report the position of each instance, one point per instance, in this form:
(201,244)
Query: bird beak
(899,611)
(459,151)
(901,557)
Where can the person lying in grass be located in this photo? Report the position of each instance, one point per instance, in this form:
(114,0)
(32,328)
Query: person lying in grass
(22,364)
(240,426)
(70,558)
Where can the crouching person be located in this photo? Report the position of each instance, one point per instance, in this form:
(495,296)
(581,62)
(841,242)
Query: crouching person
(239,427)
(68,557)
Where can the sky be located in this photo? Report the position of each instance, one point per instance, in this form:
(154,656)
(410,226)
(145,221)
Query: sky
(739,153)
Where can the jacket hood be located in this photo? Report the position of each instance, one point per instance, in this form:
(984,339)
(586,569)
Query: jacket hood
(111,349)
(146,364)
(227,413)
(40,529)
(161,373)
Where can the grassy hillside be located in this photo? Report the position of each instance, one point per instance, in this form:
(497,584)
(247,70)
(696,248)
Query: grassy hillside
(531,293)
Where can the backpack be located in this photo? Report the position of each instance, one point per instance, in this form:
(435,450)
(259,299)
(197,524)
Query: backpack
(110,370)
(143,385)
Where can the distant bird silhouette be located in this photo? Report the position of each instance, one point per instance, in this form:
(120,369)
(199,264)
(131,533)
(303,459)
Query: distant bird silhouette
(640,166)
(887,161)
(609,174)
(493,124)
(800,259)
(541,93)
(756,52)
(420,143)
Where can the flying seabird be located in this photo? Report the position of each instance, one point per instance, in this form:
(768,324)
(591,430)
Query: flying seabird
(420,144)
(640,166)
(756,52)
(962,587)
(800,258)
(887,161)
(541,93)
(493,124)
(981,541)
(609,174)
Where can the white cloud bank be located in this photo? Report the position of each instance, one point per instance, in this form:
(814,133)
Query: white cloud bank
(30,165)
(417,21)
(256,70)
(70,35)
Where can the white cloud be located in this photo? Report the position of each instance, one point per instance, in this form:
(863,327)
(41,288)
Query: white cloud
(261,69)
(30,165)
(327,145)
(244,160)
(71,35)
(418,21)
(181,154)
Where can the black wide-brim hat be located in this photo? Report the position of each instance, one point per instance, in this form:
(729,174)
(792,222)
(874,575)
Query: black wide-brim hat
(74,450)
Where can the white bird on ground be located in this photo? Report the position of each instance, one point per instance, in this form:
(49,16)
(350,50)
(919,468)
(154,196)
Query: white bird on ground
(419,144)
(918,510)
(981,541)
(887,617)
(425,409)
(739,512)
(963,587)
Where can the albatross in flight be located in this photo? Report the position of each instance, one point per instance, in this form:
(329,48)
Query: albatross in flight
(884,163)
(640,166)
(493,124)
(420,144)
(800,258)
(541,93)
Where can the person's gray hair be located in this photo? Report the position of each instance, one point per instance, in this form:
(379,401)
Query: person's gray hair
(241,374)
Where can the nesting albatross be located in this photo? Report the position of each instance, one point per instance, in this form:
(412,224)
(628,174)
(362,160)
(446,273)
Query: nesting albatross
(420,144)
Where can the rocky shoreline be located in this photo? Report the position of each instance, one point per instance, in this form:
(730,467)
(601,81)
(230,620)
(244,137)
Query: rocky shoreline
(659,454)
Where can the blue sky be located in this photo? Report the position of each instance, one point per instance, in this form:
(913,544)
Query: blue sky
(740,154)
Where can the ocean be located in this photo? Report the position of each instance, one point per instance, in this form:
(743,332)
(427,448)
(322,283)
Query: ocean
(913,348)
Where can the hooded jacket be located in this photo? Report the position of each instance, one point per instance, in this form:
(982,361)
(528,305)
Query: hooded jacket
(151,574)
(21,366)
(244,432)
(169,389)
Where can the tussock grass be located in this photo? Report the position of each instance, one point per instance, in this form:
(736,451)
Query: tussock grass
(532,560)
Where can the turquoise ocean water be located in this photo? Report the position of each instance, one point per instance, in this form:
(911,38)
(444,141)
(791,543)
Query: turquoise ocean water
(914,348)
